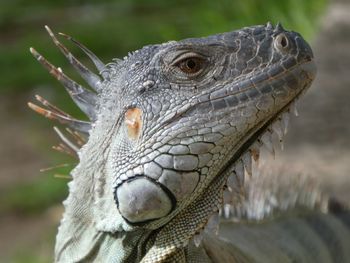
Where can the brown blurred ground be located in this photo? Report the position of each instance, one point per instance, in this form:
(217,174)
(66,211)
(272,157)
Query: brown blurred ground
(317,144)
(20,162)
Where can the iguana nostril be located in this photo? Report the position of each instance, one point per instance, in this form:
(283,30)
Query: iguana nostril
(142,200)
(281,42)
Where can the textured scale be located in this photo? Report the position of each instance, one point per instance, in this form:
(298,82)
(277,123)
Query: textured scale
(173,133)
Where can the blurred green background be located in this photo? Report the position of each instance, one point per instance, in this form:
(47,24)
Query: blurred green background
(30,200)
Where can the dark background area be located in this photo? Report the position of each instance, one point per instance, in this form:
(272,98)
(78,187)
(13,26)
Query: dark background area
(30,202)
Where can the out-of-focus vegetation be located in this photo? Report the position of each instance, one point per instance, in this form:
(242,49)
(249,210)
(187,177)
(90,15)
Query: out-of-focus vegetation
(33,197)
(111,29)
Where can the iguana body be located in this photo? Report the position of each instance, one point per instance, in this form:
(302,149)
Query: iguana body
(173,128)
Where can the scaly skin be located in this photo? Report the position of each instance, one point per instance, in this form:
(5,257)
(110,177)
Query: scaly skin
(169,124)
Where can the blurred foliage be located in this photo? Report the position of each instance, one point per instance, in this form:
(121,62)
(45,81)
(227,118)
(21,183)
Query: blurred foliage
(112,28)
(38,252)
(33,197)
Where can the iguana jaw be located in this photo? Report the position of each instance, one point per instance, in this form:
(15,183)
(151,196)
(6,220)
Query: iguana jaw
(238,166)
(268,127)
(232,174)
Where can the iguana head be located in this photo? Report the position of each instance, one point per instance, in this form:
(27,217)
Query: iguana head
(171,120)
(190,108)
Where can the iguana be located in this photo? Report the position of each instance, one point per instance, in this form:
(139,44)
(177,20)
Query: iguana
(168,149)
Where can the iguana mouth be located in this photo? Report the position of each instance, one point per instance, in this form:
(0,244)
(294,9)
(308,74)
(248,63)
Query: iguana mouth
(240,164)
(262,135)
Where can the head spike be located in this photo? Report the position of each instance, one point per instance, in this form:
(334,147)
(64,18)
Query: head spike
(62,148)
(91,78)
(51,107)
(85,99)
(79,139)
(81,126)
(279,27)
(269,26)
(65,140)
(98,63)
(62,176)
(56,166)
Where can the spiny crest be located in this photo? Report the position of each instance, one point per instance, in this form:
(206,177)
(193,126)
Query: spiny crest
(85,99)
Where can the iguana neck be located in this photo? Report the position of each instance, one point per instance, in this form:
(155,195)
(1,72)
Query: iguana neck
(86,231)
(91,224)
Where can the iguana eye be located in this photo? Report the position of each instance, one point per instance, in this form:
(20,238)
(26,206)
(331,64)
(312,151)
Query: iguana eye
(190,65)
